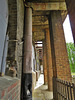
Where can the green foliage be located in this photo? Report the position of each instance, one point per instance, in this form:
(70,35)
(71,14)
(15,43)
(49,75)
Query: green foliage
(71,55)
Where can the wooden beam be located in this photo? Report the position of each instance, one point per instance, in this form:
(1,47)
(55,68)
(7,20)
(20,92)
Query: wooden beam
(48,6)
(39,47)
(39,27)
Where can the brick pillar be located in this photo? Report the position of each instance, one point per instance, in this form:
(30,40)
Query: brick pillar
(27,63)
(49,59)
(61,68)
(71,11)
(45,62)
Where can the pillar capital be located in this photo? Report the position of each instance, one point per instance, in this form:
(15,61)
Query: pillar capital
(28,6)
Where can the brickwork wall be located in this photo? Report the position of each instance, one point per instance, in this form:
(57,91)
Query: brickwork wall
(60,62)
(15,32)
(12,28)
(19,36)
(9,89)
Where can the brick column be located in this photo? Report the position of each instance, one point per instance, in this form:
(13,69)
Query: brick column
(49,59)
(45,62)
(61,68)
(27,63)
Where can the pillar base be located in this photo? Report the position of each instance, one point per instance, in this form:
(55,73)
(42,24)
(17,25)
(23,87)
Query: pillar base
(27,86)
(55,97)
(46,83)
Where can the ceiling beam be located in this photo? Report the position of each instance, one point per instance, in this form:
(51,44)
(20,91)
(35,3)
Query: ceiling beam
(48,6)
(39,27)
(39,47)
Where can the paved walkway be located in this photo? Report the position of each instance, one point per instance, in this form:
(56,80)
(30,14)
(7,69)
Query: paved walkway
(41,91)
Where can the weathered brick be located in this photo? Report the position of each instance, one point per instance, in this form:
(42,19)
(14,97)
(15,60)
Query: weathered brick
(12,24)
(61,68)
(11,89)
(15,31)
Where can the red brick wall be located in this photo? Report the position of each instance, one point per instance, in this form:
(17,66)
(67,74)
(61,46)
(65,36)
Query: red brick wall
(61,68)
(11,90)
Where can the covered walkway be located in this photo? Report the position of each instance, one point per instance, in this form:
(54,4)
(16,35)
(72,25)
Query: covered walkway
(32,42)
(41,91)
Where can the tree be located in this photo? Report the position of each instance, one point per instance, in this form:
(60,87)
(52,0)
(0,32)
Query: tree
(71,55)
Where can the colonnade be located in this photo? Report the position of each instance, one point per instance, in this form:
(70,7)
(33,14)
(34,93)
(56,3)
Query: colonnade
(56,64)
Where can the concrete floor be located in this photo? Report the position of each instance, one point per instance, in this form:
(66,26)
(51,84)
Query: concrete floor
(41,91)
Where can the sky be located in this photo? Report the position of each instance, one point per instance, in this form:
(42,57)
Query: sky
(67,30)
